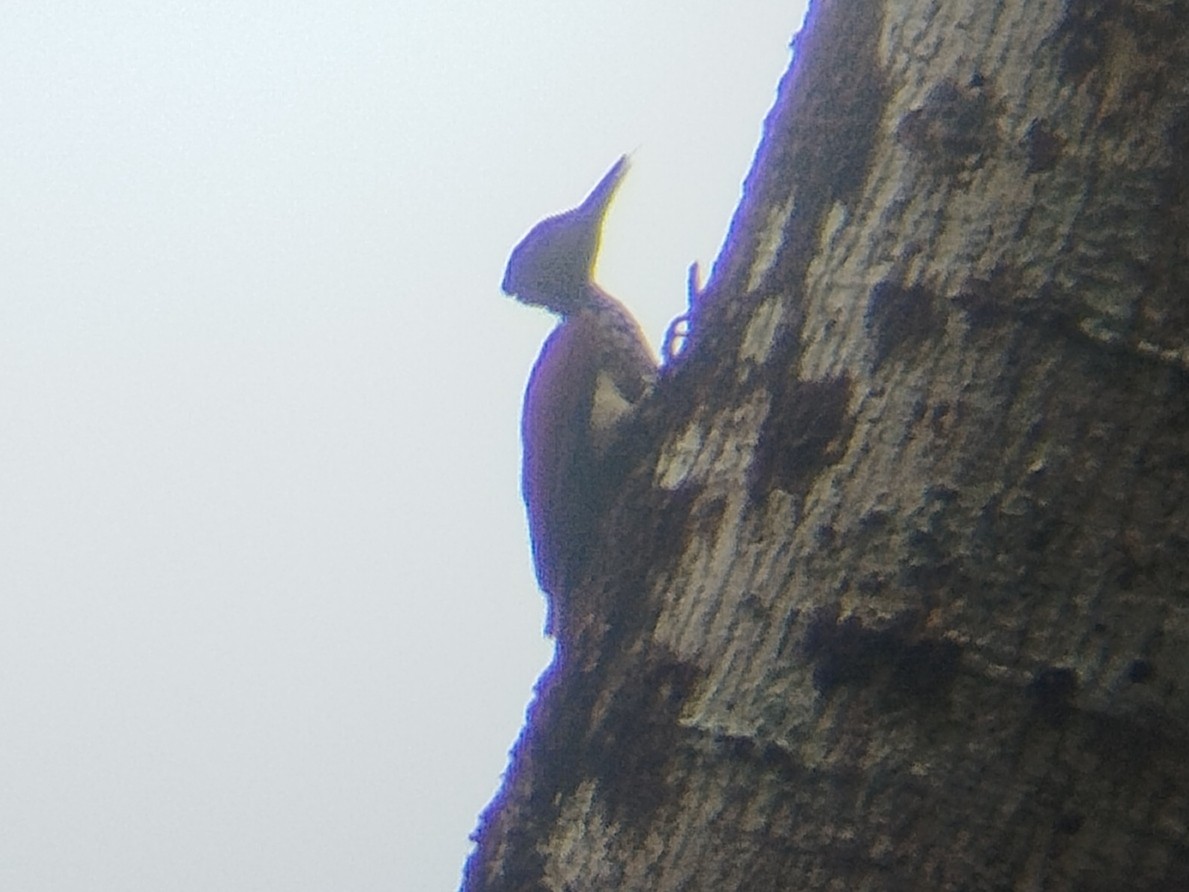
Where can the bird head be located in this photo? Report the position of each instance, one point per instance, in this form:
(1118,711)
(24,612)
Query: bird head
(553,264)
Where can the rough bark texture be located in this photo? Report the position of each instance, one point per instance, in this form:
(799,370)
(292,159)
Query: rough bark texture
(896,594)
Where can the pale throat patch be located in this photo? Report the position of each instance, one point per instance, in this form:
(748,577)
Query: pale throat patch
(607,407)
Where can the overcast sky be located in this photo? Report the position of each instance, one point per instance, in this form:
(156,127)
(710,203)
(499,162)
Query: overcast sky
(268,613)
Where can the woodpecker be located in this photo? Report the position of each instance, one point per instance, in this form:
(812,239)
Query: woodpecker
(593,368)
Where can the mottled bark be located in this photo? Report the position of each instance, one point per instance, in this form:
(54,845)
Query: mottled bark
(896,592)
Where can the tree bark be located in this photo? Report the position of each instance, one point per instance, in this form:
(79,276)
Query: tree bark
(894,593)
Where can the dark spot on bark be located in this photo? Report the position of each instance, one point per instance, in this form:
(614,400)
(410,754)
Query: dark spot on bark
(874,520)
(871,583)
(1176,135)
(1069,823)
(1140,671)
(631,751)
(919,407)
(673,528)
(825,638)
(825,535)
(864,100)
(1128,574)
(924,670)
(980,302)
(937,420)
(940,493)
(1043,147)
(1081,38)
(953,129)
(779,759)
(930,575)
(736,746)
(1080,54)
(1040,537)
(912,669)
(706,518)
(807,429)
(770,755)
(1052,691)
(899,318)
(991,300)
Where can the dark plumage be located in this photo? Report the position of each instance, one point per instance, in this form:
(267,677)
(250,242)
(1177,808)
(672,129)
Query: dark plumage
(591,371)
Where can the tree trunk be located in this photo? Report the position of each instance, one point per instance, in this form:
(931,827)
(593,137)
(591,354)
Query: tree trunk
(895,590)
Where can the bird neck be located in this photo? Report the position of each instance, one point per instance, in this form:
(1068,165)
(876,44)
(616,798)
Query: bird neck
(592,299)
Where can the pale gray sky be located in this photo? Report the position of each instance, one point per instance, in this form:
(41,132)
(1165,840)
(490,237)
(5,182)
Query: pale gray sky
(269,620)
